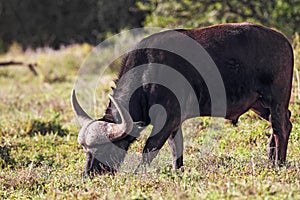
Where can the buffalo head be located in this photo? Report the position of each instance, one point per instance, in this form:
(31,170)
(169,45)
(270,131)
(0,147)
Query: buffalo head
(101,140)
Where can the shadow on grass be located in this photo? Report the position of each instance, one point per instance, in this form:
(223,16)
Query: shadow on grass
(46,127)
(5,158)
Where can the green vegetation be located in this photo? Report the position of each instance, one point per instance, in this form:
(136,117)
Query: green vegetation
(280,14)
(40,156)
(54,23)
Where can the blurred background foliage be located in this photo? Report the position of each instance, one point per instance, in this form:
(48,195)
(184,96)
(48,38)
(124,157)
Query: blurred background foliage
(34,23)
(53,23)
(280,14)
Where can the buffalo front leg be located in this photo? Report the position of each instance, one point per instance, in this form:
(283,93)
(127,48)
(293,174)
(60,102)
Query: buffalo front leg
(157,139)
(176,145)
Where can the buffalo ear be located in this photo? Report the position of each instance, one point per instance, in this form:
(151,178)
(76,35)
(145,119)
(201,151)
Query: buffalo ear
(139,124)
(137,128)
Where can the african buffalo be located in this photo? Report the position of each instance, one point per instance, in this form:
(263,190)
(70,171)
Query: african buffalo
(255,64)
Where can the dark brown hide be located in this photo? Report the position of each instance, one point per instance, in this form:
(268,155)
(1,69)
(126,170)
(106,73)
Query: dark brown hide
(256,65)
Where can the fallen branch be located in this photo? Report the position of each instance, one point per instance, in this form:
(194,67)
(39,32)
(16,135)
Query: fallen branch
(30,65)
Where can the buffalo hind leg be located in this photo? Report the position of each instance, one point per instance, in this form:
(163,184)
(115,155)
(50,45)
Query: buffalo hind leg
(176,145)
(264,112)
(281,125)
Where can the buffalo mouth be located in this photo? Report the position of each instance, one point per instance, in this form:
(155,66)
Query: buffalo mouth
(95,167)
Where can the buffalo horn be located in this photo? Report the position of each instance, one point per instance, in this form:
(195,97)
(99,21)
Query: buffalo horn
(127,123)
(82,117)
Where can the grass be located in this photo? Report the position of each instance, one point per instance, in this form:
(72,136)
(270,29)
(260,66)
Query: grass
(41,159)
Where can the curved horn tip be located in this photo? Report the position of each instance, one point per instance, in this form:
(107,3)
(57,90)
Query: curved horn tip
(80,114)
(73,97)
(113,100)
(127,122)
